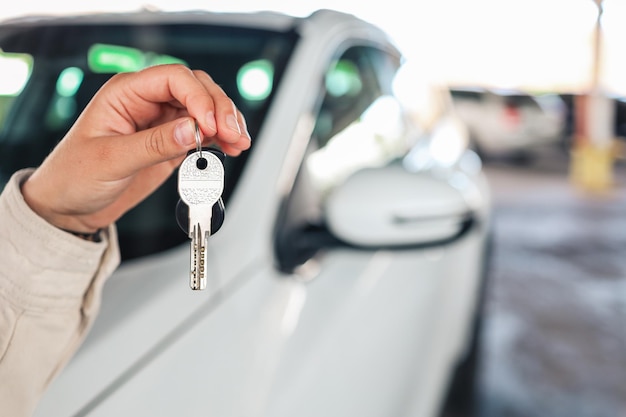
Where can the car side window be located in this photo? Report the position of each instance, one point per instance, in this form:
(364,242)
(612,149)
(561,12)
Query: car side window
(359,124)
(521,101)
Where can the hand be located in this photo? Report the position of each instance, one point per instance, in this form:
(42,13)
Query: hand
(129,139)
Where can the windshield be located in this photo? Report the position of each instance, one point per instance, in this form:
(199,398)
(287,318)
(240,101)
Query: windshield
(49,73)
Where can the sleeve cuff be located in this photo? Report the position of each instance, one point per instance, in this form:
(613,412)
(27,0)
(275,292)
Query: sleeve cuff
(45,267)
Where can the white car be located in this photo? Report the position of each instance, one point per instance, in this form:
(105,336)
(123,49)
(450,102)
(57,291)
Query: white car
(511,123)
(347,277)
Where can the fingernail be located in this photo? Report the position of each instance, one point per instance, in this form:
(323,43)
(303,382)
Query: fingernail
(231,121)
(210,121)
(184,133)
(245,130)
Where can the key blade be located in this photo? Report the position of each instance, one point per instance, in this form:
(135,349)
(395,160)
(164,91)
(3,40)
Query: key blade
(193,259)
(197,277)
(205,258)
(200,217)
(200,257)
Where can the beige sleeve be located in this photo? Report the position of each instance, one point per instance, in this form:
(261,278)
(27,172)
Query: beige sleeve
(50,289)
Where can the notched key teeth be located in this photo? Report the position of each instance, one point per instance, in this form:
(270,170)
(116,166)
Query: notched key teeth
(197,277)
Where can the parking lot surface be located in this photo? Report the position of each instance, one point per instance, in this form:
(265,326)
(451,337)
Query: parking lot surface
(555,332)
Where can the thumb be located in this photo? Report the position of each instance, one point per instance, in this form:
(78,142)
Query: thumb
(152,146)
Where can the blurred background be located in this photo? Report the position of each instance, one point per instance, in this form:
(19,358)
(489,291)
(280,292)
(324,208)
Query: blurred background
(541,45)
(542,87)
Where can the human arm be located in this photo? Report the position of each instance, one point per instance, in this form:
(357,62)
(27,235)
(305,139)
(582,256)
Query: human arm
(128,140)
(50,286)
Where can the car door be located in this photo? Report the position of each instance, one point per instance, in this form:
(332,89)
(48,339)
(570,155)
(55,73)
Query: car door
(367,336)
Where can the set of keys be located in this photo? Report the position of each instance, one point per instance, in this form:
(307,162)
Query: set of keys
(200,210)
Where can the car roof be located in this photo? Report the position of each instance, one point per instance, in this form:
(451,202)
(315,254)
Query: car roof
(504,92)
(270,20)
(317,25)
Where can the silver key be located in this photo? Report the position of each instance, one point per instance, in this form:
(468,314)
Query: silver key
(200,186)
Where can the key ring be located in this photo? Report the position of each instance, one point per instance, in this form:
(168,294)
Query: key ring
(198,139)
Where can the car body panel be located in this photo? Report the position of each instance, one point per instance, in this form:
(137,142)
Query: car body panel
(281,343)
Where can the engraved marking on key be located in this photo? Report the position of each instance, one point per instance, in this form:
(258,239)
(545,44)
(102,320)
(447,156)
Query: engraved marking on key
(200,185)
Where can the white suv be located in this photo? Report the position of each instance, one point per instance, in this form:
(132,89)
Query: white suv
(347,277)
(511,123)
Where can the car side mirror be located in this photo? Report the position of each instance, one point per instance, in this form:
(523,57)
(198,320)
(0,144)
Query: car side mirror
(392,207)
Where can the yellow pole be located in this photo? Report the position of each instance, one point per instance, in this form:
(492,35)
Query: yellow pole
(591,167)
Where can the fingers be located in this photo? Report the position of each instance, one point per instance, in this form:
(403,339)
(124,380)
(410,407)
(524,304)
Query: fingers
(196,91)
(129,139)
(136,101)
(232,132)
(127,154)
(124,155)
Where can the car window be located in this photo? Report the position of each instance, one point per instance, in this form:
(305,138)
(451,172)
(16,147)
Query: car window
(520,100)
(466,94)
(58,69)
(359,124)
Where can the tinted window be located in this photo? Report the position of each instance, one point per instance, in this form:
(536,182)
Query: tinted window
(520,100)
(360,123)
(69,63)
(466,94)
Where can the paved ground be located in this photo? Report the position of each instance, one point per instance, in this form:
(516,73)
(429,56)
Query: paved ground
(555,337)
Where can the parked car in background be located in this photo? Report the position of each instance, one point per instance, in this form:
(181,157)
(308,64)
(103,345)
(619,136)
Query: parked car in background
(348,275)
(511,124)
